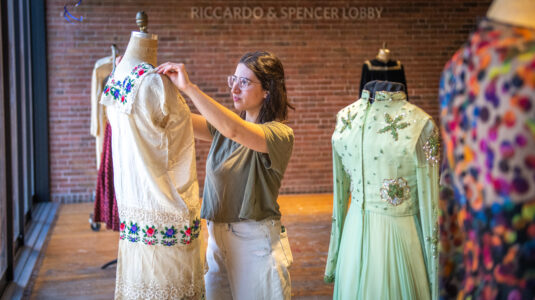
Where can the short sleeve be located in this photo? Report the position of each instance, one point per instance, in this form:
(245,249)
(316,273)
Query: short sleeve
(150,99)
(280,141)
(211,128)
(172,115)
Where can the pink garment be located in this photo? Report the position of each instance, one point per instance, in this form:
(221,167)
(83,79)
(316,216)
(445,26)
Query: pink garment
(105,204)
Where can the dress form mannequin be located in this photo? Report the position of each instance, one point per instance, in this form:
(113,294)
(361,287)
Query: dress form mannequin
(516,12)
(155,179)
(383,67)
(379,149)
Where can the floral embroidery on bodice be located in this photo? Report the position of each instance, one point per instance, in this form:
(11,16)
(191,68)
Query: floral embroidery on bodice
(123,90)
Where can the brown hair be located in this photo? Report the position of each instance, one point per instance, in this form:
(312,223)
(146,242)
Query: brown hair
(268,69)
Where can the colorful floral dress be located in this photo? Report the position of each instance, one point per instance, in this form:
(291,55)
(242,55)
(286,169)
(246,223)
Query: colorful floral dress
(487,95)
(156,187)
(385,156)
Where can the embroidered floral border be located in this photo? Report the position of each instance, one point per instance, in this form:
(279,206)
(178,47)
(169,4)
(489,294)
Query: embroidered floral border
(152,235)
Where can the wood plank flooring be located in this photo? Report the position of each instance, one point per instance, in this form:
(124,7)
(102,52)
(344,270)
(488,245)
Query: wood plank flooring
(70,265)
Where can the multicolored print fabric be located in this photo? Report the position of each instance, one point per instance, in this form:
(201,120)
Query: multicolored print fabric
(487,218)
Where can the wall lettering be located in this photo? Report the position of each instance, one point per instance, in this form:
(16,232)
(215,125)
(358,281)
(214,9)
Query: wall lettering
(286,13)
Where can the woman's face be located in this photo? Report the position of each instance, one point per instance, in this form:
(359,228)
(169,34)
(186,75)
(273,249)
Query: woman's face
(247,92)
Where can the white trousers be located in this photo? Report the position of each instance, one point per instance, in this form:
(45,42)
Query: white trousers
(248,260)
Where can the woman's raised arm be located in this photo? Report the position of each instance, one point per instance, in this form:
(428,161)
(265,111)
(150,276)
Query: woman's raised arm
(223,119)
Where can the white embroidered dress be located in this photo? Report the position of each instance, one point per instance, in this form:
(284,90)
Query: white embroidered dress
(156,187)
(101,69)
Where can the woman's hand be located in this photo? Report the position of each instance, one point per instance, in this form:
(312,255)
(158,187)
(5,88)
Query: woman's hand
(177,73)
(228,123)
(118,59)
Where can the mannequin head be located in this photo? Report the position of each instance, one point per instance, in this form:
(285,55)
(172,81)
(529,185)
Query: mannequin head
(383,55)
(515,12)
(271,102)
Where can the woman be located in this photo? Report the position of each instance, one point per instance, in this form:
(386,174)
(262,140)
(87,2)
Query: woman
(248,253)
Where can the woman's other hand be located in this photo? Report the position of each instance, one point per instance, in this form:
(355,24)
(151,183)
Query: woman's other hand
(177,73)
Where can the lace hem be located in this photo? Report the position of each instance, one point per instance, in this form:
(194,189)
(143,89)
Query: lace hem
(158,218)
(153,290)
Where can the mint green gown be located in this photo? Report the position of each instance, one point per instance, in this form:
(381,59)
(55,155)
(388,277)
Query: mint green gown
(385,157)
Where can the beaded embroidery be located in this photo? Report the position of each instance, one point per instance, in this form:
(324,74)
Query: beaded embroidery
(434,240)
(395,191)
(432,148)
(347,122)
(390,96)
(393,125)
(119,90)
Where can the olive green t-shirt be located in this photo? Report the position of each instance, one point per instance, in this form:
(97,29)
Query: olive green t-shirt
(243,184)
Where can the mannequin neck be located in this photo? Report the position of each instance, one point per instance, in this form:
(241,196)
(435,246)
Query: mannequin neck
(142,47)
(515,12)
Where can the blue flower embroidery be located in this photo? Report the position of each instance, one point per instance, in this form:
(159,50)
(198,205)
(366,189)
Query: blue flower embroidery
(119,90)
(133,228)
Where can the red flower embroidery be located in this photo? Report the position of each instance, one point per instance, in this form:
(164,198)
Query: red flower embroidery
(188,232)
(122,226)
(141,72)
(150,232)
(122,98)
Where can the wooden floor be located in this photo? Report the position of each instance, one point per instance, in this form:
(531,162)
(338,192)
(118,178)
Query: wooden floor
(70,266)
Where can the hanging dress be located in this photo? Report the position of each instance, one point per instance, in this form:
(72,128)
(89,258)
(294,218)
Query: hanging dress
(105,208)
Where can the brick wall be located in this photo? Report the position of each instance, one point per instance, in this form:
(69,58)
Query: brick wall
(322,59)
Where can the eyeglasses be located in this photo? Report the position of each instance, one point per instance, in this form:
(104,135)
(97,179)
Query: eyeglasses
(243,82)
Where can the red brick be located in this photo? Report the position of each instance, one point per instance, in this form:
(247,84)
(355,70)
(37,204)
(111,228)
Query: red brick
(322,60)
